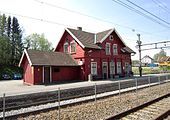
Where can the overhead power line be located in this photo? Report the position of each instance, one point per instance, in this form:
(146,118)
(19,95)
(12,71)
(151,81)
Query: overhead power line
(159,2)
(37,19)
(148,12)
(140,13)
(65,25)
(160,5)
(90,16)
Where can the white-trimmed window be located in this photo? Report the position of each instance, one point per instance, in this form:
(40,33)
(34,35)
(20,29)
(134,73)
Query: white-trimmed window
(73,47)
(94,68)
(107,48)
(66,45)
(115,52)
(111,37)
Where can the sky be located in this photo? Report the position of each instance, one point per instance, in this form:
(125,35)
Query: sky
(50,17)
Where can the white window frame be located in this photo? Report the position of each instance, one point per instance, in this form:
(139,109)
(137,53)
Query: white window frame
(115,51)
(111,37)
(107,49)
(74,43)
(66,43)
(94,68)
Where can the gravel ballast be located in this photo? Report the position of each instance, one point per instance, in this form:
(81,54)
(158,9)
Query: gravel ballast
(103,108)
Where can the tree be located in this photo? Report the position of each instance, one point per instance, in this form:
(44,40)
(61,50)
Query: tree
(38,42)
(9,27)
(16,41)
(162,53)
(4,50)
(3,25)
(11,44)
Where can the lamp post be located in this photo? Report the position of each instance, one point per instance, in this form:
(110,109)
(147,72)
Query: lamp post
(140,63)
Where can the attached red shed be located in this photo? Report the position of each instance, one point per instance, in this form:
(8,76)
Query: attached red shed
(47,67)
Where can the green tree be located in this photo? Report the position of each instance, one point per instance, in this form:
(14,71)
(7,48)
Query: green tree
(10,40)
(38,42)
(4,50)
(3,25)
(9,27)
(16,41)
(162,53)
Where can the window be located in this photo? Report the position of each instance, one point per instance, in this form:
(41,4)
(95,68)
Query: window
(115,49)
(111,37)
(73,47)
(56,69)
(94,68)
(66,47)
(107,48)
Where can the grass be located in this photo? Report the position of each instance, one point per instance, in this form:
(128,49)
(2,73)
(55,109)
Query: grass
(147,70)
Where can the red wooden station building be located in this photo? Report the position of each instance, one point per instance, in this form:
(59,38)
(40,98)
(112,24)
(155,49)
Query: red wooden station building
(102,55)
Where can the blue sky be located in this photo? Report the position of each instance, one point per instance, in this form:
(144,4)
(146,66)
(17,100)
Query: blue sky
(126,22)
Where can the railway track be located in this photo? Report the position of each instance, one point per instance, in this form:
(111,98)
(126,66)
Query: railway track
(32,111)
(157,109)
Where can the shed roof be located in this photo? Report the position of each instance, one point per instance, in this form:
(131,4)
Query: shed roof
(36,57)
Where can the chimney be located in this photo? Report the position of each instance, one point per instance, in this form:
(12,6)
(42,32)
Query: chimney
(79,28)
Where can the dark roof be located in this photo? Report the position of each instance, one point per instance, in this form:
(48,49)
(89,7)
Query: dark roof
(127,50)
(101,35)
(86,38)
(89,40)
(50,58)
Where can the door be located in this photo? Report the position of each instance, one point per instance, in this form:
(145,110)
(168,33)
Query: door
(104,70)
(119,68)
(46,75)
(127,68)
(94,68)
(112,69)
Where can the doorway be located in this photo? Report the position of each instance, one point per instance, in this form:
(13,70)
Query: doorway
(104,70)
(47,75)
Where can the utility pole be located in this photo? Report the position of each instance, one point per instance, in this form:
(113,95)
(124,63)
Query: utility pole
(140,63)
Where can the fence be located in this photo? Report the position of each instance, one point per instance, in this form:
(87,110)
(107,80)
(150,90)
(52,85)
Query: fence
(95,92)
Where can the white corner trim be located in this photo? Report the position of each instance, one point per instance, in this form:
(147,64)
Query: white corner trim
(43,75)
(50,74)
(25,53)
(107,35)
(75,38)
